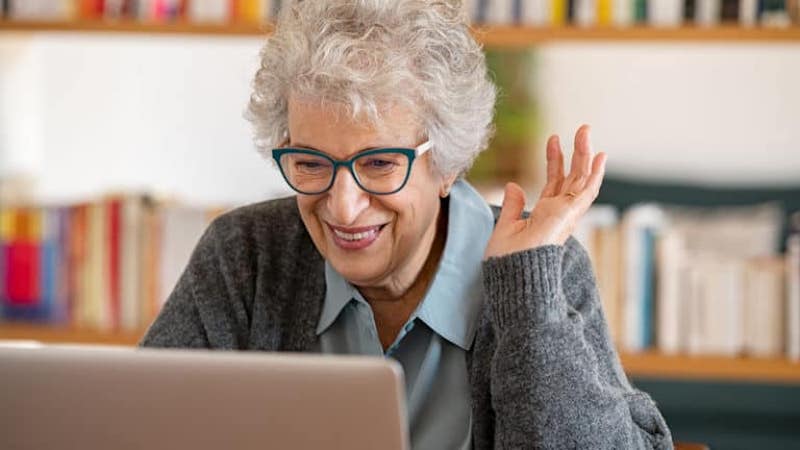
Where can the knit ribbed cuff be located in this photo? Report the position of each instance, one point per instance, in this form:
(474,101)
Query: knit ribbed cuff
(524,288)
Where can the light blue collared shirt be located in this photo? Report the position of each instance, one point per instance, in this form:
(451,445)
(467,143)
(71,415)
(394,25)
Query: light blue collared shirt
(432,345)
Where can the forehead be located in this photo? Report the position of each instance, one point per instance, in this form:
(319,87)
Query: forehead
(333,128)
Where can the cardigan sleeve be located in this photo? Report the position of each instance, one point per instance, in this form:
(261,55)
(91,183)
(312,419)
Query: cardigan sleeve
(206,308)
(556,380)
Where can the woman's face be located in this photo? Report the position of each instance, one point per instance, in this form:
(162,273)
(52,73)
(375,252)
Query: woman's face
(371,240)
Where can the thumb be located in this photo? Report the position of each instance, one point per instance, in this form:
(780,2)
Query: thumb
(513,204)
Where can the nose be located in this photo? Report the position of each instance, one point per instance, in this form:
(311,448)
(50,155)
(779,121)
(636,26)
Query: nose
(346,201)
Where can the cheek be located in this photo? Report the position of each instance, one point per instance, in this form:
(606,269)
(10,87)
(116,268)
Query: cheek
(308,212)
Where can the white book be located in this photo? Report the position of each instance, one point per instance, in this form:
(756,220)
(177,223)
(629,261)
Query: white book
(130,263)
(213,11)
(696,310)
(535,13)
(585,14)
(764,321)
(181,229)
(665,13)
(672,293)
(748,12)
(793,297)
(622,11)
(708,12)
(499,12)
(38,9)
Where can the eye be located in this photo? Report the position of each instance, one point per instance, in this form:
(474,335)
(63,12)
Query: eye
(379,163)
(309,165)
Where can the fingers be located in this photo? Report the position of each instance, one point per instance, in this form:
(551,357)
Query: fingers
(592,187)
(555,167)
(580,169)
(513,204)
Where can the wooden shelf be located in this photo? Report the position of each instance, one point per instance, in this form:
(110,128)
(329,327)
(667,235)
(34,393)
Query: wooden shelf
(640,365)
(716,368)
(491,36)
(52,335)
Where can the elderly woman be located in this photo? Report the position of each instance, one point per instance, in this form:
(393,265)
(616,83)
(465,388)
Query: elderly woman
(375,110)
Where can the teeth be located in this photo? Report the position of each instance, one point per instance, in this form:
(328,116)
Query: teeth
(354,236)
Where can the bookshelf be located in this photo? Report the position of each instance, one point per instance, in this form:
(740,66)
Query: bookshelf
(491,36)
(639,365)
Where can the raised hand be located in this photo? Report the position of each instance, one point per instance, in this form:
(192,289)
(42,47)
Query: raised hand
(562,202)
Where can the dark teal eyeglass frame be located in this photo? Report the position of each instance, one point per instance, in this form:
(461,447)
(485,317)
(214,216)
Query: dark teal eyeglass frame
(410,153)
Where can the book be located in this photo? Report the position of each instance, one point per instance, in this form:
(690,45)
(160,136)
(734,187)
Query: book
(748,13)
(605,12)
(498,12)
(181,228)
(774,13)
(641,11)
(622,13)
(729,11)
(209,11)
(584,13)
(38,9)
(640,224)
(764,324)
(793,289)
(707,12)
(673,292)
(558,12)
(535,12)
(689,11)
(666,13)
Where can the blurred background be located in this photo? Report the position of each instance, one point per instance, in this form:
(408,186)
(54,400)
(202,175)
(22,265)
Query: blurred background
(122,135)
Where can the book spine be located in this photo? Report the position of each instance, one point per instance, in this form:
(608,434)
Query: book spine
(622,12)
(558,12)
(640,11)
(689,11)
(605,16)
(535,12)
(793,297)
(748,12)
(729,11)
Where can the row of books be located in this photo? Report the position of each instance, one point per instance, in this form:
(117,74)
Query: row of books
(619,13)
(108,264)
(623,13)
(198,11)
(700,282)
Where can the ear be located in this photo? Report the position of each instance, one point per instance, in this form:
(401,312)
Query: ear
(447,183)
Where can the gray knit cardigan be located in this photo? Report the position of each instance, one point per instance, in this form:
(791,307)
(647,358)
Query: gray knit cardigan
(542,369)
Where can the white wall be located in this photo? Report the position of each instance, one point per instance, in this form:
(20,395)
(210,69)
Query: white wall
(92,112)
(125,112)
(711,113)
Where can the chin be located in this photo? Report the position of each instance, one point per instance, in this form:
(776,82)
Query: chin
(361,273)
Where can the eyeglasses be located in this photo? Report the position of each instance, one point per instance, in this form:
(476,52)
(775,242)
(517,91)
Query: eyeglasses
(380,171)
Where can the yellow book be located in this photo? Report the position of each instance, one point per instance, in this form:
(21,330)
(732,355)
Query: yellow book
(8,224)
(251,11)
(558,12)
(604,12)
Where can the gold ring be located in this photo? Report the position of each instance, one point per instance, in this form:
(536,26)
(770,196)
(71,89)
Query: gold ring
(571,194)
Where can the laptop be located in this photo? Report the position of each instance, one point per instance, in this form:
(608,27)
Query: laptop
(83,397)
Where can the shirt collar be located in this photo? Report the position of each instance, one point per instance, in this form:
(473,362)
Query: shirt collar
(451,305)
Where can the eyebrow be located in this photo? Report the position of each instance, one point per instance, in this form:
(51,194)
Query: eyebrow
(308,147)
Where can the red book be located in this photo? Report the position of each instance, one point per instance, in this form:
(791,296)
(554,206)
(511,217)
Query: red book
(114,209)
(22,285)
(23,268)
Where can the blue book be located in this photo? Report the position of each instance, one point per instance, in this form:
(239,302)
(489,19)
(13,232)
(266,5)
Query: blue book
(648,287)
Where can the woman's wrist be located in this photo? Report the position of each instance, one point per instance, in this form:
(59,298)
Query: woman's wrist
(524,288)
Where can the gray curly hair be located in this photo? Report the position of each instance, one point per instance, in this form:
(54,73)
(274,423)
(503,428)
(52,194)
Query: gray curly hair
(366,54)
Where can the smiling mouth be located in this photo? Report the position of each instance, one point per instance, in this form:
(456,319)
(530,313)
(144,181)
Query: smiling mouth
(358,238)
